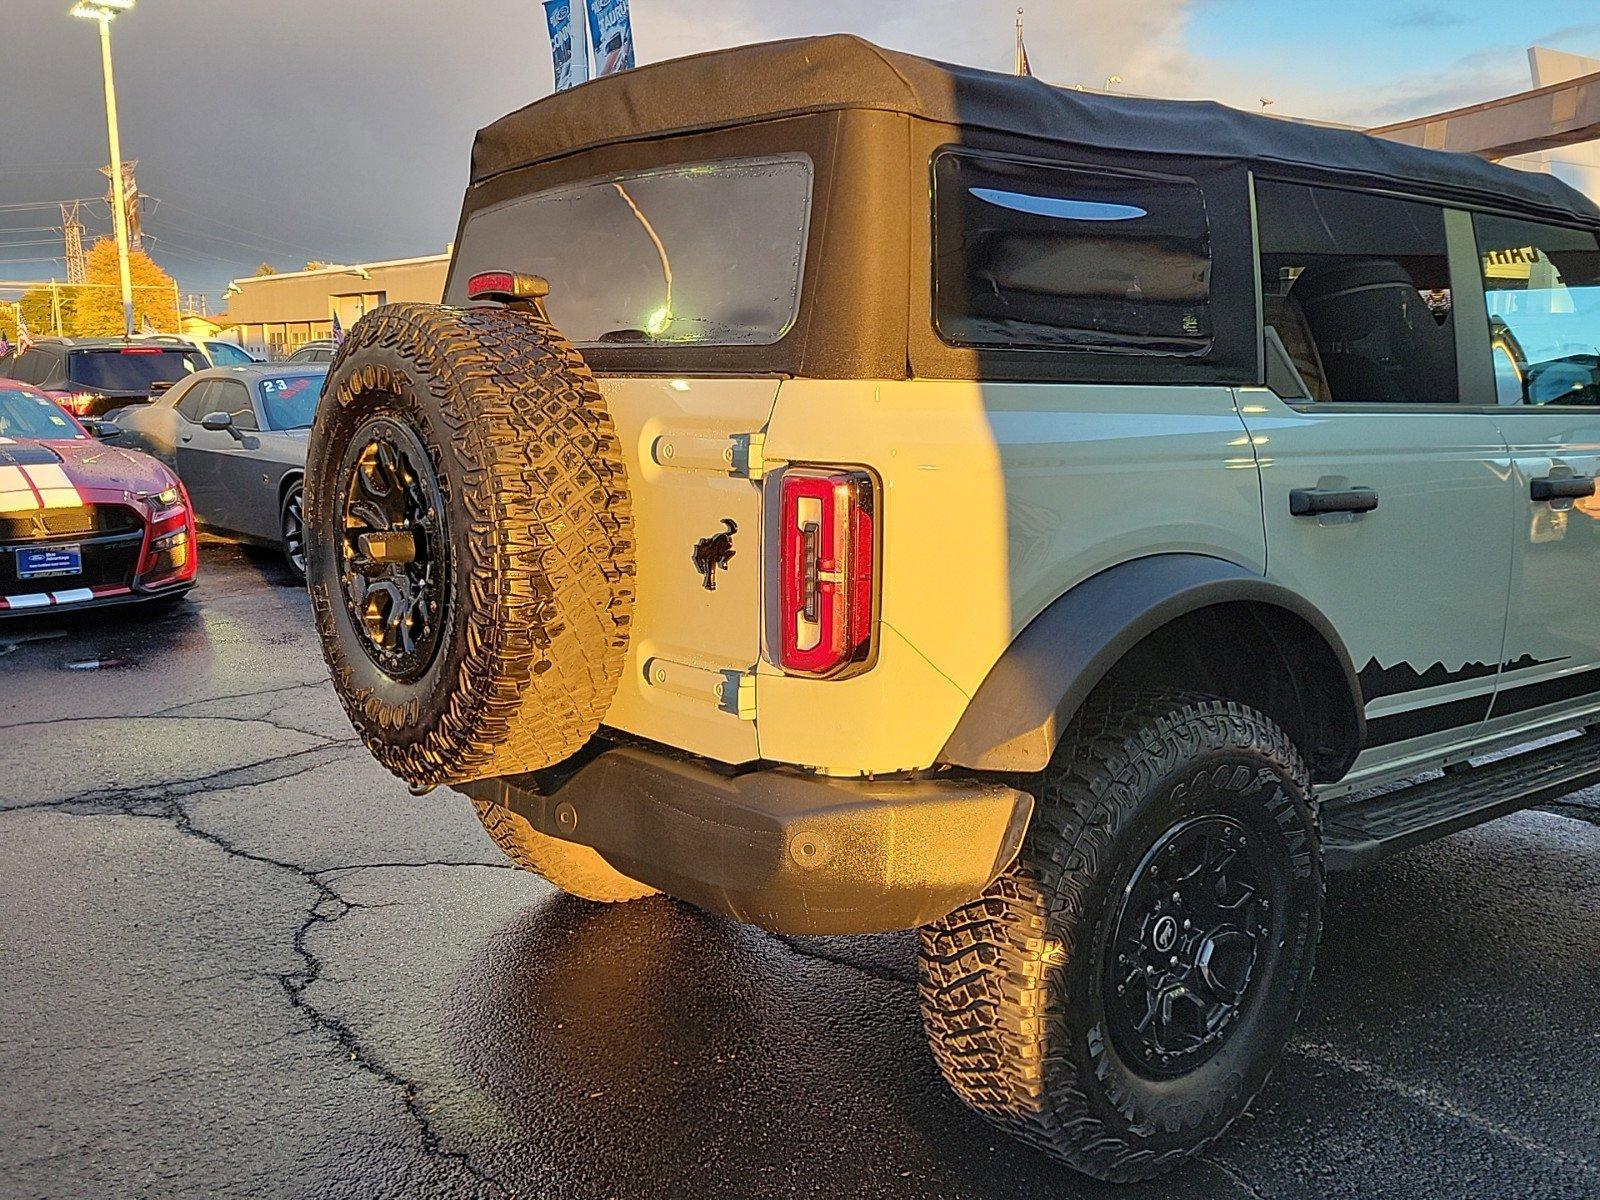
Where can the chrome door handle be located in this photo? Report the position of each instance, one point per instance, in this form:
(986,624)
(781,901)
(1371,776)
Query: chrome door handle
(1564,487)
(1311,502)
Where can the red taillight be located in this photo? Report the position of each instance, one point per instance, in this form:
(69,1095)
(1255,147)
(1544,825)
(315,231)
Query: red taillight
(508,287)
(488,282)
(827,570)
(79,404)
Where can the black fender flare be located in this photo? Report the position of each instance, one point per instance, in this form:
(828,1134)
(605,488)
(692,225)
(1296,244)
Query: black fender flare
(1024,703)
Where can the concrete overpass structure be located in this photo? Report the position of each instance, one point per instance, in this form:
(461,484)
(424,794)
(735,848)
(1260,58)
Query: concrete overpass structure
(1541,119)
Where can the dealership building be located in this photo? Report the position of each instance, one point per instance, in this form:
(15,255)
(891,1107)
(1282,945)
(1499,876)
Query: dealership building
(273,315)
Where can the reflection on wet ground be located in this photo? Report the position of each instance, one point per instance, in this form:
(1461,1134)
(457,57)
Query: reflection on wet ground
(237,959)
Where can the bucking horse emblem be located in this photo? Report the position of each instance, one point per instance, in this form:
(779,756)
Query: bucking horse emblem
(714,553)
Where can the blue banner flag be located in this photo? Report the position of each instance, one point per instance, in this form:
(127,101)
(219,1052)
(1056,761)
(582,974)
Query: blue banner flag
(569,48)
(611,32)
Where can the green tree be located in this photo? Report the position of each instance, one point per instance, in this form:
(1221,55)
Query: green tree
(98,311)
(264,269)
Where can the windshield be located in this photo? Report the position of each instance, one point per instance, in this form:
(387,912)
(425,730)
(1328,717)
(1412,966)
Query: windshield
(290,401)
(26,415)
(226,354)
(706,254)
(130,369)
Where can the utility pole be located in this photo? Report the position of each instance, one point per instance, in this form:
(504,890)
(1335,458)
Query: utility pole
(105,11)
(55,306)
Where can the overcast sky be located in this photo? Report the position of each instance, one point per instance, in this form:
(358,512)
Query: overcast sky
(285,130)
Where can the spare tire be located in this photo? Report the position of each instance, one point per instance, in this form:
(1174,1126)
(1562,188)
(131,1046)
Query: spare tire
(469,549)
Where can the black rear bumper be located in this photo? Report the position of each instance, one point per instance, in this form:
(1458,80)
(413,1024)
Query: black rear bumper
(779,848)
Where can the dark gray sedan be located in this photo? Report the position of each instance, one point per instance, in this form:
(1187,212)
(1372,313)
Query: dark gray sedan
(237,438)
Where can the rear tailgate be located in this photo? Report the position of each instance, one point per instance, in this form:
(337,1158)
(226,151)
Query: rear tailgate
(689,446)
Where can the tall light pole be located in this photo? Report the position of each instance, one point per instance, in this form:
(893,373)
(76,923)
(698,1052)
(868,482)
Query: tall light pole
(105,11)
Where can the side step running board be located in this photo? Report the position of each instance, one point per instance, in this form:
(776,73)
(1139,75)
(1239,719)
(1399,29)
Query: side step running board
(1360,831)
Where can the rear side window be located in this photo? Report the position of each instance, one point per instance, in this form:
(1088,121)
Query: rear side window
(705,254)
(32,367)
(1357,289)
(130,370)
(1542,284)
(1045,257)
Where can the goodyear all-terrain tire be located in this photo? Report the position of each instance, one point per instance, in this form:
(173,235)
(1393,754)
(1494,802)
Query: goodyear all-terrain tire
(1119,995)
(573,868)
(469,548)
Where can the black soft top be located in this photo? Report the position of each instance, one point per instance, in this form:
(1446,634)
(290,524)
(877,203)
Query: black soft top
(823,74)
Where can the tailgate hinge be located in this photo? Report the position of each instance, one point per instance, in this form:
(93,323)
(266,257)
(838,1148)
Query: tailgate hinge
(749,449)
(732,691)
(736,454)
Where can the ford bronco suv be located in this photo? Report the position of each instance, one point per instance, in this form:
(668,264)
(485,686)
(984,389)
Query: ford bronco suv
(848,492)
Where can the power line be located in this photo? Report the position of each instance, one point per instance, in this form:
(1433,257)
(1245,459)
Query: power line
(238,228)
(165,241)
(20,205)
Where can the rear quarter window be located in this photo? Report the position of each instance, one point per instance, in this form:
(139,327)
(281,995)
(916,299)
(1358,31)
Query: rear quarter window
(1043,257)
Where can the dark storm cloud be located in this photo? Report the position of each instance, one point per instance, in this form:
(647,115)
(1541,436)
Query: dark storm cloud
(276,130)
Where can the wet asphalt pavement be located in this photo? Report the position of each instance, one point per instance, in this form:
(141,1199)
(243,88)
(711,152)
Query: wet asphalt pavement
(238,959)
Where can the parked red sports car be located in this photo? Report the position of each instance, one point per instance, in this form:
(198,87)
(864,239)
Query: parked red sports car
(83,523)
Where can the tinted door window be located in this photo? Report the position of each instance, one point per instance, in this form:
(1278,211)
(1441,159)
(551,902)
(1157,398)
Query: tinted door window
(1542,285)
(233,399)
(196,402)
(1357,288)
(1045,257)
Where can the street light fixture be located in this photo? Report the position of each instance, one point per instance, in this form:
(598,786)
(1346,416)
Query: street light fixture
(105,11)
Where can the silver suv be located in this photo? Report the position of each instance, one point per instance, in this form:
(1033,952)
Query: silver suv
(848,492)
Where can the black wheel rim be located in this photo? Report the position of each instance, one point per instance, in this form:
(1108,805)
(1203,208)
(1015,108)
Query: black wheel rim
(294,532)
(1193,938)
(393,554)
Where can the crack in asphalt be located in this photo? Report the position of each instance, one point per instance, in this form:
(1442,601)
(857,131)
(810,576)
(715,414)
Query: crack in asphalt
(175,709)
(327,907)
(402,866)
(1438,1103)
(241,775)
(265,719)
(1233,1175)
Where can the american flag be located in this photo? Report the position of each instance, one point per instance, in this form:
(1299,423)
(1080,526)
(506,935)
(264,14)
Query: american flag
(338,331)
(5,345)
(24,338)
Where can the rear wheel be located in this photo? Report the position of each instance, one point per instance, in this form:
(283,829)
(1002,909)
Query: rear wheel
(571,867)
(469,548)
(293,525)
(1119,995)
